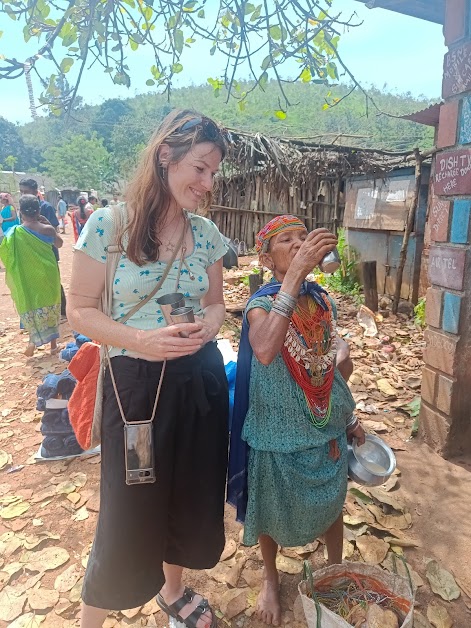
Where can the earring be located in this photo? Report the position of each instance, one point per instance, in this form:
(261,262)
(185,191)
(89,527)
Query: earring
(162,171)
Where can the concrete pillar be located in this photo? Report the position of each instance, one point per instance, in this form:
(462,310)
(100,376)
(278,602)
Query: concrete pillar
(445,419)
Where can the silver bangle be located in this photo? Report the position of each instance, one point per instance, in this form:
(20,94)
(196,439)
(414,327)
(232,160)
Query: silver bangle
(287,299)
(282,310)
(352,421)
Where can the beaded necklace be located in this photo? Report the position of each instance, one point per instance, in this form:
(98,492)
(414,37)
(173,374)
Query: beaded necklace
(309,352)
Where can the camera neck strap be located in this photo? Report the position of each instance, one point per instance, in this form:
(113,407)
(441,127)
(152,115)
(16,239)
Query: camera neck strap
(109,287)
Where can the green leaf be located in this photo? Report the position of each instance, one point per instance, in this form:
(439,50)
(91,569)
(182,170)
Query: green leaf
(130,3)
(280,114)
(256,13)
(150,82)
(332,70)
(266,63)
(201,13)
(66,64)
(361,496)
(325,106)
(190,40)
(263,80)
(178,39)
(147,12)
(155,72)
(189,6)
(275,32)
(413,407)
(134,45)
(305,75)
(9,11)
(1,33)
(176,68)
(242,104)
(249,8)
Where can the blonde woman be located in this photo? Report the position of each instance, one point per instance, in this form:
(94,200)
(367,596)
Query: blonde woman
(148,533)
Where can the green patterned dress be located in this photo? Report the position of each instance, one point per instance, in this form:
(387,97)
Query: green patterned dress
(296,490)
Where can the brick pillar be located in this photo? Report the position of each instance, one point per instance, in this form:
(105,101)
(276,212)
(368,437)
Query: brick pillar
(445,419)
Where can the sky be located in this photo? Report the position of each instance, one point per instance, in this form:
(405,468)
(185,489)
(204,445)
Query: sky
(402,52)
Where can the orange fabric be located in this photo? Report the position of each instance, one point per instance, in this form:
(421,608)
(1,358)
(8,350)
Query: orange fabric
(85,367)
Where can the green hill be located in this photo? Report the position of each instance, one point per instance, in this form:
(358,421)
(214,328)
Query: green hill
(124,126)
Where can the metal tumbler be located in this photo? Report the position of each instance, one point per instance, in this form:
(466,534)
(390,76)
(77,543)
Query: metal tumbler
(183,315)
(330,262)
(170,302)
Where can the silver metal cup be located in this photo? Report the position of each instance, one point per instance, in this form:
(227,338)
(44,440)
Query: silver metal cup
(170,302)
(330,262)
(182,315)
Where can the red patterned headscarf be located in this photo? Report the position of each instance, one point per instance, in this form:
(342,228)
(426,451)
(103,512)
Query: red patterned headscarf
(274,227)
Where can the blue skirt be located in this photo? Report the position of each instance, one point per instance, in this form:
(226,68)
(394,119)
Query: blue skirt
(295,497)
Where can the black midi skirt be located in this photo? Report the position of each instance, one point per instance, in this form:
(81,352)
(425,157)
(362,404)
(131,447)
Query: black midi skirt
(180,518)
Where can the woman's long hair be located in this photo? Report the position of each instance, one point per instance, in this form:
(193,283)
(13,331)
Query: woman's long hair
(148,196)
(81,202)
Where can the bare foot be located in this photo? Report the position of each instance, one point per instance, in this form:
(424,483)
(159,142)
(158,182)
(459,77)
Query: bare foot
(268,607)
(205,621)
(29,350)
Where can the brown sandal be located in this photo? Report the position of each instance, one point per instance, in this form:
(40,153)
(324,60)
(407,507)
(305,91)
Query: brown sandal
(191,621)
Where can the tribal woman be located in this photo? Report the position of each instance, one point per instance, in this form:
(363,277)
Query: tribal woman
(293,409)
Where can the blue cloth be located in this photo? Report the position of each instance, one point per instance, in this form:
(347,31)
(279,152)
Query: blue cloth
(53,386)
(238,456)
(46,239)
(47,210)
(8,220)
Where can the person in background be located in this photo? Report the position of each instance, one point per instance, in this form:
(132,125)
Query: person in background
(104,202)
(114,201)
(30,186)
(81,215)
(8,213)
(93,201)
(293,410)
(32,274)
(61,213)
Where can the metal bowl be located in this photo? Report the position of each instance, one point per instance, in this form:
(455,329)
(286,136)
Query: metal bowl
(371,464)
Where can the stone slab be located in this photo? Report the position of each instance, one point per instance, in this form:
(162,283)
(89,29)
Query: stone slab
(439,213)
(446,267)
(455,21)
(440,351)
(457,71)
(433,307)
(451,312)
(465,121)
(453,172)
(448,123)
(460,221)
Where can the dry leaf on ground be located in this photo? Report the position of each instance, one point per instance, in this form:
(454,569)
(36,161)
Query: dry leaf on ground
(372,550)
(81,514)
(288,565)
(229,549)
(68,578)
(385,387)
(438,616)
(11,604)
(442,582)
(28,620)
(47,559)
(42,599)
(233,602)
(420,621)
(14,510)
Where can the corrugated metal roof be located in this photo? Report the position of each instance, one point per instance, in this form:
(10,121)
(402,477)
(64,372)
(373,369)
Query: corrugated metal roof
(428,116)
(430,10)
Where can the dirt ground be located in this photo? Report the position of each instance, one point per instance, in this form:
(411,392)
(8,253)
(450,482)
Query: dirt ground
(437,495)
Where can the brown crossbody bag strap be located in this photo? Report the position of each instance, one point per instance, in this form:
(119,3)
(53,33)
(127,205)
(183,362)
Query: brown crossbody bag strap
(109,287)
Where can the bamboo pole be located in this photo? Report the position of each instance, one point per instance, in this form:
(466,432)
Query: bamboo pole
(408,230)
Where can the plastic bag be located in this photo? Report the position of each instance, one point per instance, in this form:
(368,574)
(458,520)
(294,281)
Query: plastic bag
(395,584)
